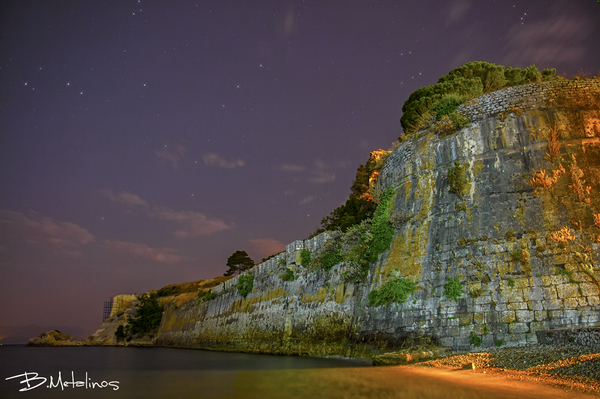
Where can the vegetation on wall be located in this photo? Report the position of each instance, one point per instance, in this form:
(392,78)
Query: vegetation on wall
(330,259)
(245,284)
(453,289)
(147,316)
(305,257)
(457,178)
(205,296)
(460,85)
(395,290)
(360,205)
(382,230)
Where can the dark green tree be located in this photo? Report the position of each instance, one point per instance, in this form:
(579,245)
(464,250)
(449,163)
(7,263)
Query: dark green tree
(238,263)
(359,205)
(148,314)
(461,84)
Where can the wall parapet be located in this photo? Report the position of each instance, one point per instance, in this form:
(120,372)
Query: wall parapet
(529,96)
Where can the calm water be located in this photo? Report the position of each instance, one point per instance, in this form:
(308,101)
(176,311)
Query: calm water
(139,372)
(180,373)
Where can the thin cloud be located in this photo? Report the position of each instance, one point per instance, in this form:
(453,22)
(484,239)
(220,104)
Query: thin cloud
(306,200)
(217,161)
(457,10)
(557,39)
(172,155)
(164,255)
(321,173)
(266,246)
(125,198)
(191,223)
(292,168)
(62,238)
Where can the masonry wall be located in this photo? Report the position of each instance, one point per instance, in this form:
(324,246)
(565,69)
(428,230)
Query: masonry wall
(474,236)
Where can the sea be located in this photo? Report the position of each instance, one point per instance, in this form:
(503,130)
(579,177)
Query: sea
(135,372)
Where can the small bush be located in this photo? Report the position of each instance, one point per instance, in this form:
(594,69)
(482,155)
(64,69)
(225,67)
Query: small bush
(120,333)
(305,258)
(453,289)
(475,339)
(168,291)
(395,290)
(330,259)
(206,296)
(476,292)
(457,178)
(282,262)
(288,275)
(499,342)
(517,255)
(245,284)
(511,281)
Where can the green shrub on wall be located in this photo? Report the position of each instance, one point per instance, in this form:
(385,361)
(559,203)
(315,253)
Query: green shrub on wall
(305,257)
(245,284)
(395,290)
(457,178)
(453,289)
(382,230)
(330,259)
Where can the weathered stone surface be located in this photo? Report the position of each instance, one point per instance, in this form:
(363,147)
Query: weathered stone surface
(512,245)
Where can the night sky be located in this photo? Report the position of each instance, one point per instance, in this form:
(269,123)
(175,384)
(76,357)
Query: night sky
(143,142)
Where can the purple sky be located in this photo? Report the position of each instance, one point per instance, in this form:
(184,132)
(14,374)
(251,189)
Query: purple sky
(143,142)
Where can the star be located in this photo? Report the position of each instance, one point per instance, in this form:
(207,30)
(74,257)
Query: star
(68,83)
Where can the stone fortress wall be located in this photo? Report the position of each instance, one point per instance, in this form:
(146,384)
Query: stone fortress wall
(474,237)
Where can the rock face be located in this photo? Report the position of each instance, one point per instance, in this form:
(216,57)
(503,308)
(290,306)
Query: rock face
(55,338)
(498,224)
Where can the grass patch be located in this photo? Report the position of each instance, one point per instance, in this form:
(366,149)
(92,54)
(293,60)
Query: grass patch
(395,290)
(453,289)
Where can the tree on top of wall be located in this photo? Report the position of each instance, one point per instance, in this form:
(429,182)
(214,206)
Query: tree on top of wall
(238,262)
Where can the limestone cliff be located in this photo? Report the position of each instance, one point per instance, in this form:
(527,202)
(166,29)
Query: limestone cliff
(497,224)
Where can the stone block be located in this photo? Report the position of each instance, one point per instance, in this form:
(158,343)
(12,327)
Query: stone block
(551,280)
(570,303)
(593,300)
(567,290)
(524,316)
(536,294)
(549,292)
(553,304)
(540,315)
(511,295)
(507,316)
(538,326)
(589,289)
(535,305)
(516,305)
